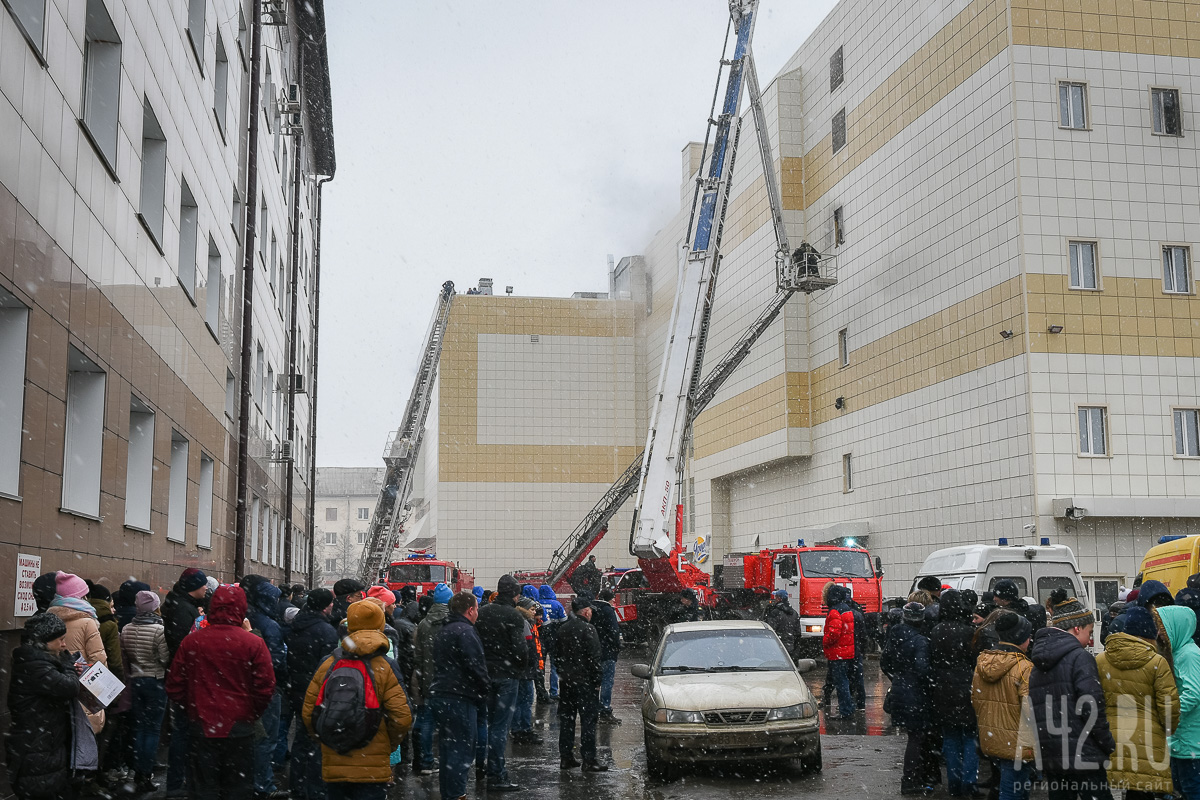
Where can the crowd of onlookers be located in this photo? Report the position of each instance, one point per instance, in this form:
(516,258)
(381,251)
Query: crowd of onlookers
(340,690)
(1014,684)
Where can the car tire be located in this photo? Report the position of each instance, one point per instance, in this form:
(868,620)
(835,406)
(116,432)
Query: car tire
(813,763)
(656,768)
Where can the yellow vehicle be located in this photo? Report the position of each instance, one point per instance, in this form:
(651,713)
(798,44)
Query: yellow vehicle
(1172,561)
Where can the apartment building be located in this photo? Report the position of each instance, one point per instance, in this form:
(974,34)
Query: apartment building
(123,197)
(345,503)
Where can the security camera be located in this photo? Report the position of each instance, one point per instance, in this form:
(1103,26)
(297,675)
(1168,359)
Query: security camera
(1076,513)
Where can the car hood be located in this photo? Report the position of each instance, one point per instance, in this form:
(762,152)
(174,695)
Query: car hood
(701,692)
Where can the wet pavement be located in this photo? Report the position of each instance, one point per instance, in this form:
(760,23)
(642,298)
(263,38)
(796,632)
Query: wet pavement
(861,757)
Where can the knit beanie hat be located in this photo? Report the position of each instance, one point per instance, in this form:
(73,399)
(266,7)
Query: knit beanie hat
(290,613)
(146,602)
(1006,589)
(192,579)
(507,587)
(383,594)
(1070,613)
(478,592)
(44,589)
(212,583)
(1139,622)
(97,591)
(319,599)
(69,585)
(1013,628)
(442,594)
(43,628)
(914,612)
(365,615)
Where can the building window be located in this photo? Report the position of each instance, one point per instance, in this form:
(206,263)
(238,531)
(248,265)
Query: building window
(836,73)
(195,29)
(154,175)
(364,513)
(14,338)
(269,401)
(252,539)
(331,565)
(101,81)
(83,449)
(30,16)
(1093,430)
(177,499)
(331,514)
(221,86)
(1083,265)
(1165,116)
(237,215)
(204,511)
(839,227)
(847,473)
(189,223)
(139,466)
(362,537)
(844,347)
(330,536)
(1177,269)
(262,229)
(839,130)
(259,367)
(1187,432)
(212,288)
(230,395)
(1072,105)
(243,38)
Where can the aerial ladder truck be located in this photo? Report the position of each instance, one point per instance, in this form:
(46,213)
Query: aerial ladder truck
(403,448)
(657,473)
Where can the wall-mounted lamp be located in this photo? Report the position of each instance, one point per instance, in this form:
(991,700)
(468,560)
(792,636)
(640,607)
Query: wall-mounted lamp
(839,403)
(1055,329)
(1006,334)
(508,290)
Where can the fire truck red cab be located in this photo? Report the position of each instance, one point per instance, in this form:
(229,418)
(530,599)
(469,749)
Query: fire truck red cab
(425,571)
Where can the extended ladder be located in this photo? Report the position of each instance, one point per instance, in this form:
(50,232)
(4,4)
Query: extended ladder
(402,448)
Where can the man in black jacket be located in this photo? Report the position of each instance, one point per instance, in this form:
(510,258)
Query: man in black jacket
(1007,595)
(179,611)
(311,640)
(459,692)
(501,628)
(577,648)
(1068,704)
(608,629)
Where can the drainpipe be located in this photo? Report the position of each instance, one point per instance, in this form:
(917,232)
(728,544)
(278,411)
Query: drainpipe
(312,392)
(243,457)
(289,484)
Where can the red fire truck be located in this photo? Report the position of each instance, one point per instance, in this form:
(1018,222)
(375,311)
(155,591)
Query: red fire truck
(425,571)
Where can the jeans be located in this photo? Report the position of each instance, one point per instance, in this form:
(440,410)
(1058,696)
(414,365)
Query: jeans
(522,721)
(286,712)
(1015,783)
(962,761)
(1085,784)
(583,700)
(502,700)
(1185,772)
(458,725)
(424,734)
(177,750)
(222,769)
(858,685)
(305,776)
(553,678)
(608,671)
(149,706)
(264,750)
(357,791)
(839,672)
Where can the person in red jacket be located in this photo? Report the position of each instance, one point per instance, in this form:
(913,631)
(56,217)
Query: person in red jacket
(223,677)
(838,641)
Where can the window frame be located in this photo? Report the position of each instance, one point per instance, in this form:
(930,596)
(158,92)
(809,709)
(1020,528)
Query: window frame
(139,466)
(834,134)
(1189,275)
(847,473)
(14,360)
(838,78)
(152,198)
(1178,107)
(1107,430)
(80,401)
(88,122)
(189,241)
(1095,244)
(1084,102)
(177,483)
(206,504)
(197,43)
(1175,432)
(332,561)
(334,509)
(364,517)
(839,226)
(221,87)
(38,48)
(844,347)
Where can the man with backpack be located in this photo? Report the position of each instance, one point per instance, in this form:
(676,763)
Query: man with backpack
(357,709)
(311,639)
(222,678)
(458,691)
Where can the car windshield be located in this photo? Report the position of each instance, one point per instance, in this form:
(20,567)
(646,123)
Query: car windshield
(417,573)
(723,651)
(835,564)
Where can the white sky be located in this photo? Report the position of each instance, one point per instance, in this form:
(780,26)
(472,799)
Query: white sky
(514,140)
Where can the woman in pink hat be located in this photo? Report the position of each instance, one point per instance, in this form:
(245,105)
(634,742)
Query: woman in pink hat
(83,630)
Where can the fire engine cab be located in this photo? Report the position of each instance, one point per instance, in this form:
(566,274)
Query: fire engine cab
(425,571)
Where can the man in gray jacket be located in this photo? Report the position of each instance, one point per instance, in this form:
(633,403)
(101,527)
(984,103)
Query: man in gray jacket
(424,668)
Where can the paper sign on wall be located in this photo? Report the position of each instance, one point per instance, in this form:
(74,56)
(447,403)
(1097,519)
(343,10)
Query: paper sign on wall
(28,570)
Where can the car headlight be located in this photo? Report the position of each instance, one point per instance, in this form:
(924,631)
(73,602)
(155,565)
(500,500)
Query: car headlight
(670,715)
(800,711)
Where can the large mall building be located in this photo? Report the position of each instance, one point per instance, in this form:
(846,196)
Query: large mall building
(1011,349)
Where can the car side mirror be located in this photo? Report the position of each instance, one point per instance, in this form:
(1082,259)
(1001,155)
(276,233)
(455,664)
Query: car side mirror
(878,566)
(642,671)
(805,665)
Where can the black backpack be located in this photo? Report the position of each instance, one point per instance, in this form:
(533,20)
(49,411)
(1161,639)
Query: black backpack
(347,712)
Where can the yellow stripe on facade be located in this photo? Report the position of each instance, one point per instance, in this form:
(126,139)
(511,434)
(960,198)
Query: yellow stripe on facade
(1150,27)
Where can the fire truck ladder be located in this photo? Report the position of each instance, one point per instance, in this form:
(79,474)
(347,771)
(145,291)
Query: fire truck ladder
(402,448)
